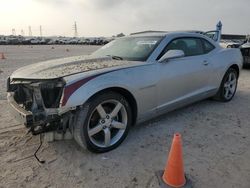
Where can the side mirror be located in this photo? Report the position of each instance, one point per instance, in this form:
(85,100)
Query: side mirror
(172,54)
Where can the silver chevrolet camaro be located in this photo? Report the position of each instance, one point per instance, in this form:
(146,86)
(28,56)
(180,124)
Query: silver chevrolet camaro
(130,80)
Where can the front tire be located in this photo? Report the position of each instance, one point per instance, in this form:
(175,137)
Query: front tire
(228,86)
(106,125)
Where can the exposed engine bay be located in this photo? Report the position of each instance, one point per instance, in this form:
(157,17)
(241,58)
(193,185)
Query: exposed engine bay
(38,101)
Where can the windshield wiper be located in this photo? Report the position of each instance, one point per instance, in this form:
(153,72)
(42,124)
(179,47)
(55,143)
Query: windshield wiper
(115,57)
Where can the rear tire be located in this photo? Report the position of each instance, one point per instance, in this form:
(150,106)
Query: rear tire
(108,118)
(228,86)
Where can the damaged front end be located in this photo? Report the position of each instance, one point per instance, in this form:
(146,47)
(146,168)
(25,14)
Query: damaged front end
(36,104)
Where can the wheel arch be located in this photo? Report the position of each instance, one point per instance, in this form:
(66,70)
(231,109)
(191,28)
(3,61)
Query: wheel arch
(125,93)
(236,67)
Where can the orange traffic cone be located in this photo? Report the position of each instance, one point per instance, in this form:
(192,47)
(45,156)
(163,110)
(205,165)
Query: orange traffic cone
(174,171)
(2,56)
(173,175)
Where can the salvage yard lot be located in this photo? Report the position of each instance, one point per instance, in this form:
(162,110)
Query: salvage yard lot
(216,140)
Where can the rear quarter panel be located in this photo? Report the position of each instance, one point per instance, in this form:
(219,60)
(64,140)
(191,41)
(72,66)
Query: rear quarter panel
(222,59)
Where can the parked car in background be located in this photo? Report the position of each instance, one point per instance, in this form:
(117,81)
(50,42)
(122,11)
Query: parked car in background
(231,43)
(3,40)
(130,80)
(245,50)
(28,40)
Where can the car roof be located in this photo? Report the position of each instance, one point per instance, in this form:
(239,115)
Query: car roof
(173,34)
(163,33)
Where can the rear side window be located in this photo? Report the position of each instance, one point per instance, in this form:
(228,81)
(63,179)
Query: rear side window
(208,47)
(194,46)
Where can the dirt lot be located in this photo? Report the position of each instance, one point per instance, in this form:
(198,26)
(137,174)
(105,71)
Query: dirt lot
(216,139)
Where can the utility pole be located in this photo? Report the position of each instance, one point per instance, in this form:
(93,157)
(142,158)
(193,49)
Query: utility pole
(41,33)
(75,30)
(30,32)
(13,32)
(22,32)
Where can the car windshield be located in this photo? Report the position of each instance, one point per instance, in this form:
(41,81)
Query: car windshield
(129,48)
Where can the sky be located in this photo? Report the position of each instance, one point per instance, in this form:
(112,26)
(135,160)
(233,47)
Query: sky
(110,17)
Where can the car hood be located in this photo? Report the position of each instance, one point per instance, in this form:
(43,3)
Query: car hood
(58,68)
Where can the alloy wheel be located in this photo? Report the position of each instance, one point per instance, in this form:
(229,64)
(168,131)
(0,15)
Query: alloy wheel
(230,85)
(107,123)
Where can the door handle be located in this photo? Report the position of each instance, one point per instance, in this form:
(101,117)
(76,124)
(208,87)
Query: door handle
(205,62)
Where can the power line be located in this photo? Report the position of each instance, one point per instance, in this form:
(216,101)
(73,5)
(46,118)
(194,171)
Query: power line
(41,33)
(75,30)
(13,32)
(22,32)
(30,32)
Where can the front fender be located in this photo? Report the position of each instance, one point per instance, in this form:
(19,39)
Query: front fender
(93,85)
(140,82)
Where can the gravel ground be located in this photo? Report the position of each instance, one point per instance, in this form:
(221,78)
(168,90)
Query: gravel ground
(216,139)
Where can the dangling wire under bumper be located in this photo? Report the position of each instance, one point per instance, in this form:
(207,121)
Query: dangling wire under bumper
(40,145)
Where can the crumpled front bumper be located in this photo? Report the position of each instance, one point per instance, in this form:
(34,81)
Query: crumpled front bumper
(36,123)
(23,116)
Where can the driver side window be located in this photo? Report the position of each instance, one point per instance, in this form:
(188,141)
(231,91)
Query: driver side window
(190,46)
